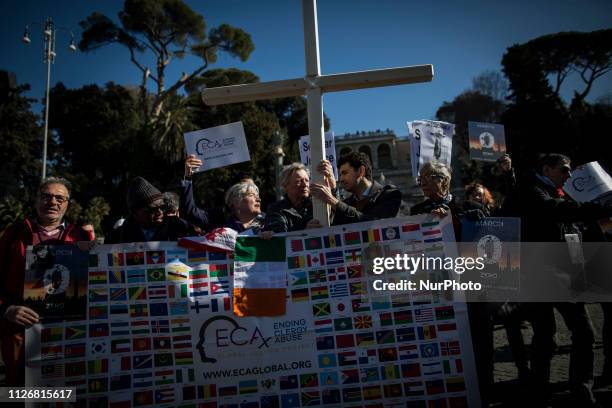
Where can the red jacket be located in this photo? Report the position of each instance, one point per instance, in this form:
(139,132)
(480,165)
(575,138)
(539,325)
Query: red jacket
(13,244)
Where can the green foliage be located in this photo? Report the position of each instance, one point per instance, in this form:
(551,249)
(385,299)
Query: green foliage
(11,209)
(94,213)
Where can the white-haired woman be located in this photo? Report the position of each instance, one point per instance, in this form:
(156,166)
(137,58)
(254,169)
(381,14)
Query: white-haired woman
(242,200)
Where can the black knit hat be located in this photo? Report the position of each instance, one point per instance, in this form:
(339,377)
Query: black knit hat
(141,194)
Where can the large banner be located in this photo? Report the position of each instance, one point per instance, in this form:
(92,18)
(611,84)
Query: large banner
(161,330)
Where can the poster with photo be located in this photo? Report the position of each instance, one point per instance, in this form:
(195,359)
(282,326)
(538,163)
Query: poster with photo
(487,141)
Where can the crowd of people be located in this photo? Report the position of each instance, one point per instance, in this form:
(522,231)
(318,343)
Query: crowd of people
(547,215)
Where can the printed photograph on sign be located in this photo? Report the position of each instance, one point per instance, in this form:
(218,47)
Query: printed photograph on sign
(487,141)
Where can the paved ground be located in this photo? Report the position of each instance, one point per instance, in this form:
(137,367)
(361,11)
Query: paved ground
(508,392)
(507,389)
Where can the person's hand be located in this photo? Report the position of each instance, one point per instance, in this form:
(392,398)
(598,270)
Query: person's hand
(440,212)
(505,163)
(323,193)
(21,315)
(314,223)
(191,163)
(267,235)
(325,169)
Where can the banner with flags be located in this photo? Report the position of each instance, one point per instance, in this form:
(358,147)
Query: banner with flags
(336,342)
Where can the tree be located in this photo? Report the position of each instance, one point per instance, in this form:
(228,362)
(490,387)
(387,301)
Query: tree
(167,29)
(491,83)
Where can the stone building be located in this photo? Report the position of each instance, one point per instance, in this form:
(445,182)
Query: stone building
(390,157)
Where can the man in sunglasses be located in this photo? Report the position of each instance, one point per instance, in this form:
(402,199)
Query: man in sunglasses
(146,221)
(46,227)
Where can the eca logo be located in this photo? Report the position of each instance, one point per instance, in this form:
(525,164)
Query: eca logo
(205,144)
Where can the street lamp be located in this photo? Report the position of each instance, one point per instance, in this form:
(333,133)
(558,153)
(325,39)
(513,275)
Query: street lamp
(49,31)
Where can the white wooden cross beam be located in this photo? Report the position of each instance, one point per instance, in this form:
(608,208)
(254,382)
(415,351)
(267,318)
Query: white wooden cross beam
(313,86)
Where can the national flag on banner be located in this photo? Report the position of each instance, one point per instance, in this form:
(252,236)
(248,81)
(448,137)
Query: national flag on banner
(75,332)
(352,255)
(402,317)
(217,256)
(55,370)
(294,262)
(75,368)
(338,289)
(178,308)
(405,334)
(139,327)
(139,310)
(180,325)
(367,356)
(51,352)
(414,388)
(423,315)
(432,239)
(343,323)
(288,382)
(390,233)
(400,300)
(176,255)
(137,293)
(221,287)
(116,277)
(260,276)
(197,306)
(298,278)
(185,375)
(197,274)
(446,330)
(372,392)
(309,398)
(355,271)
(299,295)
(177,290)
(141,344)
(97,278)
(317,276)
(360,305)
(336,274)
(156,257)
(164,377)
(98,330)
(220,304)
(450,348)
(358,288)
(156,275)
(453,367)
(142,379)
(410,227)
(364,339)
(332,241)
(345,341)
(162,343)
(74,350)
(381,303)
(350,376)
(118,294)
(158,309)
(347,358)
(50,334)
(334,257)
(445,313)
(217,270)
(123,363)
(390,372)
(116,259)
(315,259)
(98,295)
(160,326)
(408,351)
(324,326)
(330,397)
(99,366)
(181,341)
(351,394)
(385,336)
(393,390)
(372,235)
(163,360)
(431,368)
(434,387)
(456,384)
(387,354)
(427,332)
(198,289)
(120,346)
(177,271)
(325,343)
(309,380)
(157,292)
(247,387)
(136,276)
(297,245)
(321,309)
(195,256)
(183,357)
(318,292)
(119,328)
(313,243)
(429,350)
(362,322)
(328,378)
(134,258)
(120,382)
(352,238)
(207,391)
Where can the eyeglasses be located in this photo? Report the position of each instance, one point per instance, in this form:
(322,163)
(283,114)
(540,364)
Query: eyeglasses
(60,199)
(429,177)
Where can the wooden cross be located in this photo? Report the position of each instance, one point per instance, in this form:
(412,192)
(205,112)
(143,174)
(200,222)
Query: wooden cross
(313,86)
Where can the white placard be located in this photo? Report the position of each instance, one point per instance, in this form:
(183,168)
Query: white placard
(218,146)
(330,151)
(434,141)
(588,182)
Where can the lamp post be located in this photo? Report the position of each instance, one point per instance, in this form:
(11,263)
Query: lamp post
(49,31)
(277,141)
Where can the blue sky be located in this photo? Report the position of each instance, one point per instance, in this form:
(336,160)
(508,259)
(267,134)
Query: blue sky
(461,39)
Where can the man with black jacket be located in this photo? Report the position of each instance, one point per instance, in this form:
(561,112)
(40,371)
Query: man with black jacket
(548,215)
(368,200)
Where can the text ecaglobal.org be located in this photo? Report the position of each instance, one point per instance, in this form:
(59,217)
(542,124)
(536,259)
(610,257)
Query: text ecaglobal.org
(405,284)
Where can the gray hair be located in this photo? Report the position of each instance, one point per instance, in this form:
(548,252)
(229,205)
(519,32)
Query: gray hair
(237,192)
(55,180)
(172,201)
(288,171)
(438,169)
